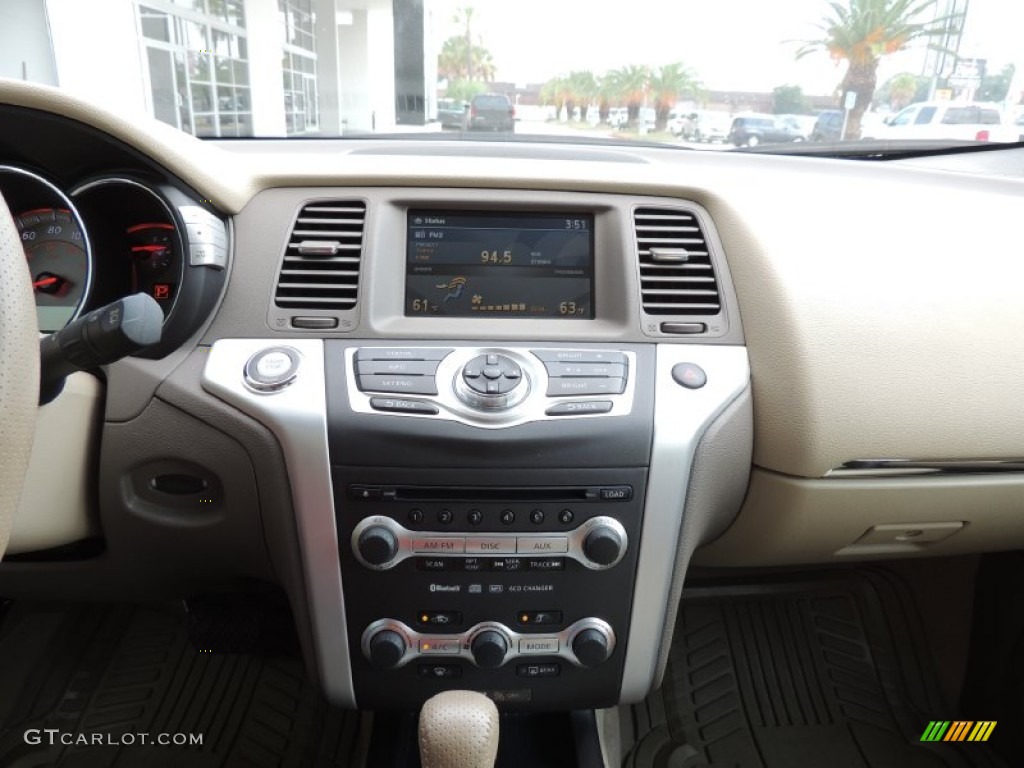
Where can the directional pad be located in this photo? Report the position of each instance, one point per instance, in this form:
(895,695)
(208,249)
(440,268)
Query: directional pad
(492,374)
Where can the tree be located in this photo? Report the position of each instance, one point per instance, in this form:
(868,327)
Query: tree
(996,87)
(668,84)
(861,32)
(629,86)
(464,90)
(461,58)
(459,62)
(790,100)
(901,90)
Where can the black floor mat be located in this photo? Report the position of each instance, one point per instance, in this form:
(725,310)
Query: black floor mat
(831,672)
(114,673)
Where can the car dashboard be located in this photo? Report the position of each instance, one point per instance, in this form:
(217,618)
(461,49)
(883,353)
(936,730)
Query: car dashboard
(479,407)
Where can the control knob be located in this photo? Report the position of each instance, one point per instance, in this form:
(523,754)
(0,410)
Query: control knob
(377,545)
(491,382)
(489,649)
(387,648)
(592,646)
(603,545)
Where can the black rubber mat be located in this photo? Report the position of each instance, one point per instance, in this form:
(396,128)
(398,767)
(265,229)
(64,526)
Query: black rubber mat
(831,672)
(112,673)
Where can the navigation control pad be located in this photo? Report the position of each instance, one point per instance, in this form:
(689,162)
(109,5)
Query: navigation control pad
(491,387)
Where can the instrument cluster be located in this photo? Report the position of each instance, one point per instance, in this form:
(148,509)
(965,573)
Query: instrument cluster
(112,237)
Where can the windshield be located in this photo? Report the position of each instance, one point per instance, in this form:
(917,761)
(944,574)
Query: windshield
(657,70)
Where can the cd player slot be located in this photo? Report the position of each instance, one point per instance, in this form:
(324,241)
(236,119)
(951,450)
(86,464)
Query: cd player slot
(491,493)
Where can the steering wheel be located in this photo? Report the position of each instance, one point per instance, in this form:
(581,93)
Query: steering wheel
(19,372)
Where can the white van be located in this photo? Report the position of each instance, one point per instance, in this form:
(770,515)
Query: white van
(978,121)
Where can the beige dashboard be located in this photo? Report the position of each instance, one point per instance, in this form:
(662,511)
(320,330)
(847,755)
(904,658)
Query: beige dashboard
(881,308)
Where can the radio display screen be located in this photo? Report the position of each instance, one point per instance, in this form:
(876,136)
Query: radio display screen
(488,264)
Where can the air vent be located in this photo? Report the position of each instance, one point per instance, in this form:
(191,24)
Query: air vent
(676,275)
(321,262)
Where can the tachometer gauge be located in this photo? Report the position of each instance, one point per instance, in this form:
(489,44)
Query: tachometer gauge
(57,260)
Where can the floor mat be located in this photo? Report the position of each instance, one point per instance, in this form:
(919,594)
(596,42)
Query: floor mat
(830,672)
(99,677)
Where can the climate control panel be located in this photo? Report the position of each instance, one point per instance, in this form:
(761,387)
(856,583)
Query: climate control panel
(389,644)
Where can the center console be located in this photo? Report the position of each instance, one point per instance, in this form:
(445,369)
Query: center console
(489,504)
(490,470)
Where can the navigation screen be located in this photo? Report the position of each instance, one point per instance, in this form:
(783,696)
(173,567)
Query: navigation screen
(470,264)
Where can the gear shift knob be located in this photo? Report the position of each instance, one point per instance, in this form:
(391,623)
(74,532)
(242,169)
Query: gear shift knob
(458,729)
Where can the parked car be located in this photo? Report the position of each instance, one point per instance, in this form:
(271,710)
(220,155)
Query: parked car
(618,117)
(453,113)
(966,121)
(751,130)
(801,125)
(711,127)
(681,123)
(492,112)
(828,126)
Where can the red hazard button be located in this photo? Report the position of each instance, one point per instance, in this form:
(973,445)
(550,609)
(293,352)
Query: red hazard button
(689,375)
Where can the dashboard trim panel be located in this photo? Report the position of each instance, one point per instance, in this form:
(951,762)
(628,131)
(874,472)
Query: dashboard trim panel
(298,417)
(681,417)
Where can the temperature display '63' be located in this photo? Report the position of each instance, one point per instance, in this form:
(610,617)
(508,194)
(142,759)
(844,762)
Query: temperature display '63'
(486,264)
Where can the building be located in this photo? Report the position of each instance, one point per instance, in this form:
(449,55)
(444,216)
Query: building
(344,65)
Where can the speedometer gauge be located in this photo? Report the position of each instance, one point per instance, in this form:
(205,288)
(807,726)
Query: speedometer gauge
(57,260)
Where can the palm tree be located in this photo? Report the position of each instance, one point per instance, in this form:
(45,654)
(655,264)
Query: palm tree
(861,32)
(628,85)
(901,90)
(668,84)
(456,61)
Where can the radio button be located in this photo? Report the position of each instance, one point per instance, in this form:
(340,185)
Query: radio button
(490,546)
(416,516)
(568,387)
(433,564)
(594,370)
(397,367)
(440,646)
(508,516)
(579,407)
(400,353)
(444,516)
(439,545)
(579,356)
(542,545)
(474,517)
(395,405)
(537,516)
(399,385)
(538,646)
(506,564)
(546,564)
(565,516)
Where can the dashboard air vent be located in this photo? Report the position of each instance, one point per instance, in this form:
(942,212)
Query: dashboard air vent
(321,262)
(676,274)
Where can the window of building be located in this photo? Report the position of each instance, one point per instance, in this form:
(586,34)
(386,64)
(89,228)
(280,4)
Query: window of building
(198,65)
(298,67)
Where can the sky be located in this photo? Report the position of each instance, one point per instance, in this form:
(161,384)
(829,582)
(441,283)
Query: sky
(732,44)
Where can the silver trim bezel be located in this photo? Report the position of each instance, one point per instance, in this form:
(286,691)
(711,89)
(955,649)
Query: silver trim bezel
(406,549)
(452,408)
(90,266)
(512,637)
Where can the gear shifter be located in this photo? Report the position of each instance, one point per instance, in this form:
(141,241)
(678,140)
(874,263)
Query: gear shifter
(458,729)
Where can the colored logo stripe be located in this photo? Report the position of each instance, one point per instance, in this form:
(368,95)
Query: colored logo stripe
(982,730)
(935,731)
(958,730)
